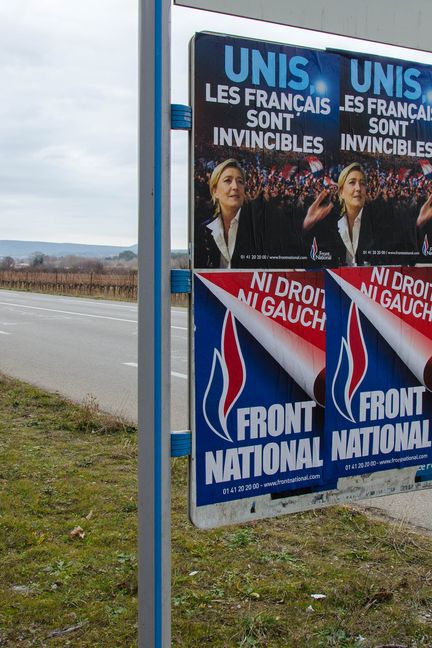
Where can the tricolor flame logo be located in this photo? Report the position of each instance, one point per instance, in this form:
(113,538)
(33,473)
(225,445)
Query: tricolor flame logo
(352,365)
(226,382)
(425,247)
(314,250)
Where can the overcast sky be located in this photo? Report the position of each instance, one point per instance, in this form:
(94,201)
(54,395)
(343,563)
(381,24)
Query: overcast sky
(69,114)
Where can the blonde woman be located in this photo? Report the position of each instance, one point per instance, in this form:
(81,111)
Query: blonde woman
(375,231)
(234,237)
(352,188)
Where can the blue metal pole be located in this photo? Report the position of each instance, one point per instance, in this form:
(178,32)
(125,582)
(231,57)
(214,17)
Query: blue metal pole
(154,571)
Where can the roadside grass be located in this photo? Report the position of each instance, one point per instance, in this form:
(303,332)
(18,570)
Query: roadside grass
(67,468)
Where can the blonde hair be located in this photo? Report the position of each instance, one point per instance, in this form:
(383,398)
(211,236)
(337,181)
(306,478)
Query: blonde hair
(354,166)
(216,174)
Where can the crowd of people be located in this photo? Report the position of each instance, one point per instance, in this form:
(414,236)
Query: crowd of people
(293,182)
(304,213)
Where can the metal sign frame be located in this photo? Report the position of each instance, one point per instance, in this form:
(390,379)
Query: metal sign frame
(154,550)
(403,24)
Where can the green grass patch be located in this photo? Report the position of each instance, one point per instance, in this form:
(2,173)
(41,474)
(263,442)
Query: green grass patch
(65,467)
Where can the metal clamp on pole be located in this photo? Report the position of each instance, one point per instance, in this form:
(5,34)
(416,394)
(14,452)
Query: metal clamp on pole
(181,281)
(181,117)
(181,443)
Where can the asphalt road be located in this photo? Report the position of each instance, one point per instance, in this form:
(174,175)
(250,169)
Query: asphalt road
(85,346)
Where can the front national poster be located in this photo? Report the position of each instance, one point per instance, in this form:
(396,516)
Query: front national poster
(379,370)
(311,388)
(304,158)
(260,384)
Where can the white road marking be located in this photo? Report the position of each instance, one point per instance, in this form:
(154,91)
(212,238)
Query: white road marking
(173,373)
(4,333)
(54,310)
(86,302)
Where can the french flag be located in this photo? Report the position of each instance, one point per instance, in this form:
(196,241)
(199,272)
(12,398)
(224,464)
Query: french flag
(287,171)
(328,182)
(403,174)
(426,167)
(315,165)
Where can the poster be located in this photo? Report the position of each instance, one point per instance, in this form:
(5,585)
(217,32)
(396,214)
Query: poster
(259,380)
(379,369)
(292,121)
(286,403)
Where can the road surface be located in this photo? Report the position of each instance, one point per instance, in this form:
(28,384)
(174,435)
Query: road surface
(84,346)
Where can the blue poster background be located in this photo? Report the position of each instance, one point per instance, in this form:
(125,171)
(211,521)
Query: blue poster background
(230,62)
(385,371)
(266,384)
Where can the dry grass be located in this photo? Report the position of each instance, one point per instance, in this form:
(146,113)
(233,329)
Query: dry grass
(90,284)
(64,466)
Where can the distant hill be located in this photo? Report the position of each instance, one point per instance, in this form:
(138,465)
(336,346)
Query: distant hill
(24,249)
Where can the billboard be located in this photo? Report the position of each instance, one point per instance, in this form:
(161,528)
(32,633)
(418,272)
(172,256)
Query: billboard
(312,204)
(328,156)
